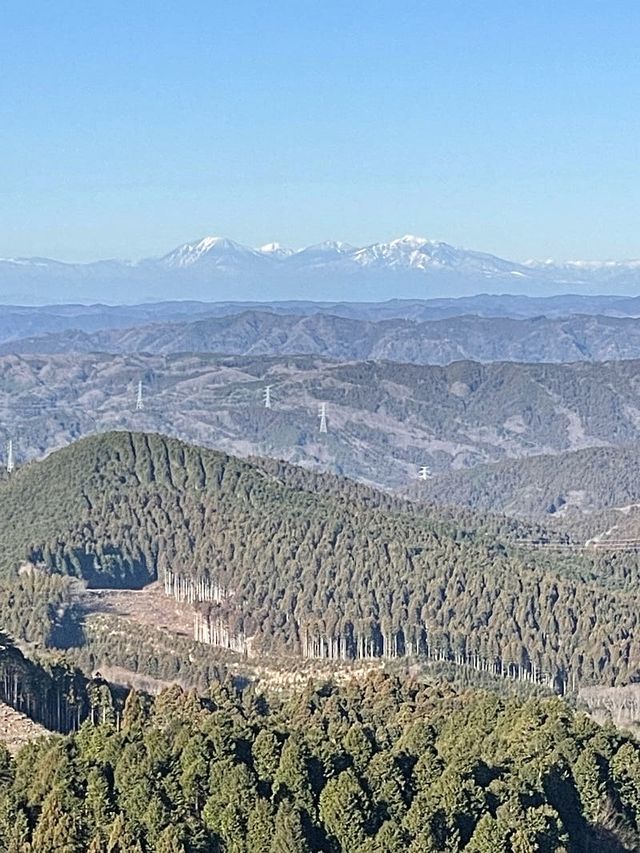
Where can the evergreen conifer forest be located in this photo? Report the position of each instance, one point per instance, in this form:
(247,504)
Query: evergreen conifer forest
(360,672)
(275,559)
(319,427)
(381,765)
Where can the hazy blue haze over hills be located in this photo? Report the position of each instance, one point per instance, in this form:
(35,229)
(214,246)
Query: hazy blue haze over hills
(566,489)
(253,332)
(19,321)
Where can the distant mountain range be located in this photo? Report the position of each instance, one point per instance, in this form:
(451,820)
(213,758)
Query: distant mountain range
(20,321)
(252,332)
(385,419)
(216,268)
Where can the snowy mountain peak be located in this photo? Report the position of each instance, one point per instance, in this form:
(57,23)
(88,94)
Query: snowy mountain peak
(407,251)
(326,254)
(331,246)
(412,241)
(276,250)
(409,266)
(216,250)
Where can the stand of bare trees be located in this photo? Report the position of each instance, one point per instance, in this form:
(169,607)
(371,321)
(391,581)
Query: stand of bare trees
(192,590)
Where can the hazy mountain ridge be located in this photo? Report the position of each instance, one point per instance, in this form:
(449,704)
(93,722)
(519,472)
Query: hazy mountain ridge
(206,268)
(385,419)
(539,339)
(570,488)
(20,321)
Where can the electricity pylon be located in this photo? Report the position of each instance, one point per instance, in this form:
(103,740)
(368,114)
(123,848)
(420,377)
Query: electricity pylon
(323,417)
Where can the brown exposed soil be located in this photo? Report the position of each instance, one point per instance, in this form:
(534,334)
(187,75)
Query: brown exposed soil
(16,729)
(148,606)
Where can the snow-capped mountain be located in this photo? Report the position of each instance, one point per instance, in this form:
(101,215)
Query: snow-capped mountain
(214,251)
(217,268)
(418,253)
(276,250)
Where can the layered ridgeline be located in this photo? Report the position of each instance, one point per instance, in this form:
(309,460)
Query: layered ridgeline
(432,341)
(566,489)
(385,420)
(278,559)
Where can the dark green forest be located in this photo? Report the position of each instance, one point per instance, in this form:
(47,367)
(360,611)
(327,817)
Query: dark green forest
(312,565)
(381,766)
(48,688)
(302,571)
(41,608)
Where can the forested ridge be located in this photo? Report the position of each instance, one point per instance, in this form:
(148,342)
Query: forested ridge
(437,341)
(49,688)
(380,766)
(41,608)
(561,489)
(385,419)
(318,566)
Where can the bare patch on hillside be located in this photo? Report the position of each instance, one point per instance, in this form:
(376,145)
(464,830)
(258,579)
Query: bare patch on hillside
(148,606)
(17,729)
(619,705)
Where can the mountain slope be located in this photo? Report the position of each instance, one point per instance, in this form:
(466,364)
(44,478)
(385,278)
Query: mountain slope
(385,420)
(317,566)
(540,339)
(566,488)
(381,764)
(20,321)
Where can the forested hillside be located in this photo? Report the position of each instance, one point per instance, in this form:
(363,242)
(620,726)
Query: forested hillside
(385,420)
(557,490)
(276,558)
(377,767)
(41,608)
(432,341)
(49,688)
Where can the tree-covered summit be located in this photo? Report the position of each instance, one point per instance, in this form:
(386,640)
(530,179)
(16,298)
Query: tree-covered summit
(316,565)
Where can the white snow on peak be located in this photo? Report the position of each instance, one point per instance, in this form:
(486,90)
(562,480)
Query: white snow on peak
(409,255)
(276,250)
(328,252)
(332,246)
(417,253)
(217,250)
(590,266)
(411,240)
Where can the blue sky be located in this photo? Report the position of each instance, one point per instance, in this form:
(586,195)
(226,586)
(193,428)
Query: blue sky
(129,127)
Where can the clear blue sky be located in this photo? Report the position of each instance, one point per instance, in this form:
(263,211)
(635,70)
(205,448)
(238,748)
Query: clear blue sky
(129,127)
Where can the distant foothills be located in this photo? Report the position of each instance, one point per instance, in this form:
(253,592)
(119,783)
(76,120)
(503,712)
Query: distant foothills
(217,268)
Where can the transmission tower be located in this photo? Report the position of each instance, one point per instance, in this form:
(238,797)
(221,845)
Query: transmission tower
(424,473)
(139,403)
(267,396)
(10,460)
(323,417)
